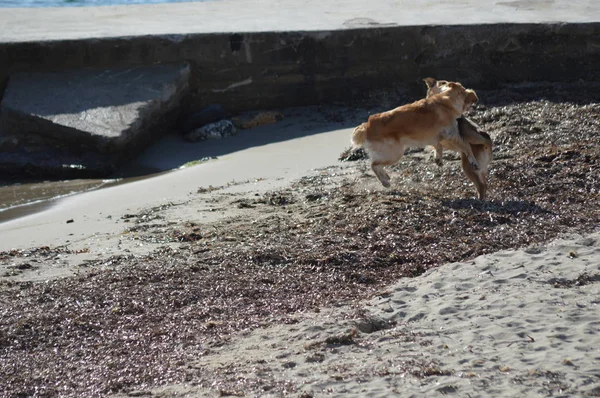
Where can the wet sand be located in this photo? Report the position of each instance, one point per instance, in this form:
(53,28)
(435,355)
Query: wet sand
(261,159)
(21,199)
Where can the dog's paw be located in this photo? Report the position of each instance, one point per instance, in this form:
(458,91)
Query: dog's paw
(386,183)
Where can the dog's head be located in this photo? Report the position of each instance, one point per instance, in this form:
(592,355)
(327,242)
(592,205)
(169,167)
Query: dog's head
(439,86)
(470,98)
(435,86)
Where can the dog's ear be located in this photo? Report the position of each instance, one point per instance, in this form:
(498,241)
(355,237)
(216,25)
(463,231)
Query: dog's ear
(470,97)
(430,81)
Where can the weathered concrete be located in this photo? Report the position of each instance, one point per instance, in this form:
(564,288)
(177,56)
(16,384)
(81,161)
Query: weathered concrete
(103,110)
(270,70)
(84,122)
(289,53)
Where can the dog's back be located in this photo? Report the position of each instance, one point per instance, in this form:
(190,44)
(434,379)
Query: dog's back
(418,122)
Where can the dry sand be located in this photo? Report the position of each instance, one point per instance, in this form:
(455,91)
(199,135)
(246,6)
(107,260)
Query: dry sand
(517,323)
(276,270)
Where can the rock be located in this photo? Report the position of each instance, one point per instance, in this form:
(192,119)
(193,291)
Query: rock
(221,129)
(209,114)
(289,365)
(254,119)
(113,112)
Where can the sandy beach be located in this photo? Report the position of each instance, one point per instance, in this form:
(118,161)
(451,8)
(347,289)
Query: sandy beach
(278,270)
(514,323)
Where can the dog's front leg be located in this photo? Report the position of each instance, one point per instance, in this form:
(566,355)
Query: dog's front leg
(438,153)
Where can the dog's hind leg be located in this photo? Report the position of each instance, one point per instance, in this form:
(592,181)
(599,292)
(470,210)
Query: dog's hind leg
(479,177)
(382,155)
(383,177)
(472,160)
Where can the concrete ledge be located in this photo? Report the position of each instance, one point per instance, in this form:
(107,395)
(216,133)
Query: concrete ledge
(86,122)
(102,110)
(293,54)
(245,71)
(285,53)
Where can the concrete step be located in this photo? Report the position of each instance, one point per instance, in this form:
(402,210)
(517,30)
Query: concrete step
(102,114)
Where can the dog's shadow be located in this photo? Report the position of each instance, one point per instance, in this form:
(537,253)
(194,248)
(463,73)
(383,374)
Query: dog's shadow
(494,206)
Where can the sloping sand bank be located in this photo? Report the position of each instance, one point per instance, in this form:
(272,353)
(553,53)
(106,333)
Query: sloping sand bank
(513,323)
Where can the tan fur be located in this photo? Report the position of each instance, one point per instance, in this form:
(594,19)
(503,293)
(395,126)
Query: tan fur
(479,141)
(359,135)
(385,135)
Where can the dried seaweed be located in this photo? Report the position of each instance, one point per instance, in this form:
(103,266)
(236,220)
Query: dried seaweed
(136,324)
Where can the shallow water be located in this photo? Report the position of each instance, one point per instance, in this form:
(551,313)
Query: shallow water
(82,3)
(25,198)
(17,200)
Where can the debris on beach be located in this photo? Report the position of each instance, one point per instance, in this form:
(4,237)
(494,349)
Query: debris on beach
(193,163)
(352,154)
(217,130)
(252,120)
(334,238)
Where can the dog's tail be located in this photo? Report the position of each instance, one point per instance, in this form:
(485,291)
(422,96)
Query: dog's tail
(359,136)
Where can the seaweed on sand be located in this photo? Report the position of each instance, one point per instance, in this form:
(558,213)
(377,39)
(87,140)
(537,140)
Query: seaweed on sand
(136,324)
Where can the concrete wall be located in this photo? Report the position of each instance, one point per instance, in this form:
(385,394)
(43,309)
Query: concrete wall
(275,69)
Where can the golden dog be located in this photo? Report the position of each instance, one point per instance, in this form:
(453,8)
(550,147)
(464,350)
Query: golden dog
(425,122)
(480,142)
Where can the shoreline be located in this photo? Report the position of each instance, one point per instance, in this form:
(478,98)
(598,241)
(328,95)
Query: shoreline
(302,128)
(27,203)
